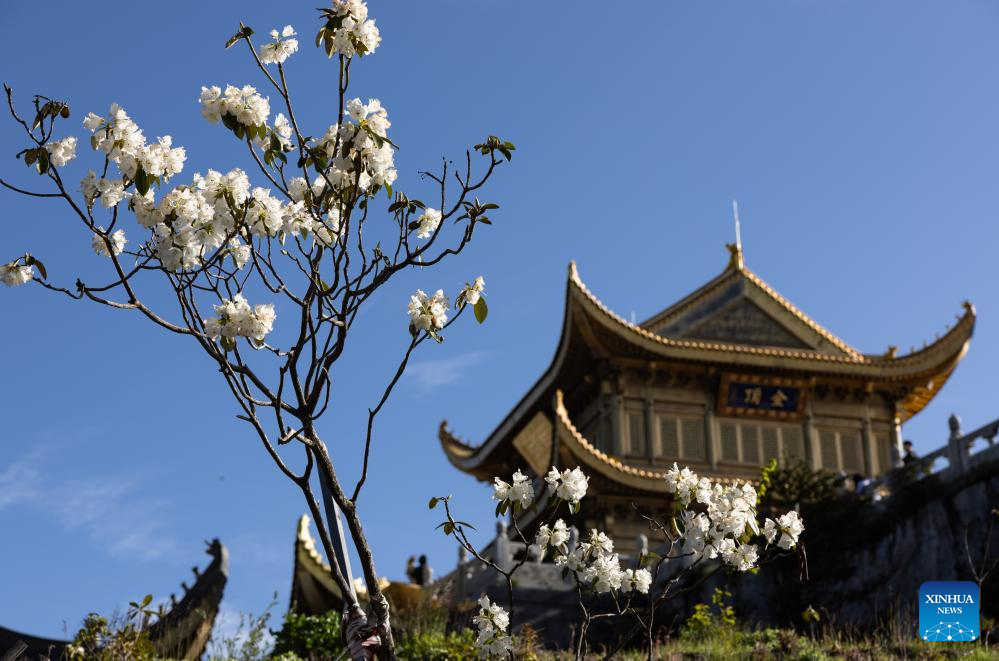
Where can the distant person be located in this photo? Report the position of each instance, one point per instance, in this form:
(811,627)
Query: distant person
(861,484)
(908,453)
(411,570)
(424,573)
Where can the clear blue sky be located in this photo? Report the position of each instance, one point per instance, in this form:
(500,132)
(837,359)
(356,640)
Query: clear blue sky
(861,140)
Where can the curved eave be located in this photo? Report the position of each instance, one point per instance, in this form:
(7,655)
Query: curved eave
(308,559)
(935,359)
(470,459)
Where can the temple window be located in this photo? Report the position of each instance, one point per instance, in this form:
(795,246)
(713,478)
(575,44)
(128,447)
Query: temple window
(883,443)
(757,444)
(681,438)
(637,436)
(841,450)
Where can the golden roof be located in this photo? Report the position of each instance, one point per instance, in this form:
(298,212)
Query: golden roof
(913,378)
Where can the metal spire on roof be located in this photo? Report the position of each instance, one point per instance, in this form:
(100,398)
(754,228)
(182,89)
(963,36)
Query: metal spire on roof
(736,261)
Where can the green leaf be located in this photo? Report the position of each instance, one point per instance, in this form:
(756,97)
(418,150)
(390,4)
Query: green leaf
(146,600)
(481,309)
(448,528)
(141,181)
(433,503)
(466,524)
(31,260)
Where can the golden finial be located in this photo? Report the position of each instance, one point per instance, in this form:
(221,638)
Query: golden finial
(892,352)
(735,261)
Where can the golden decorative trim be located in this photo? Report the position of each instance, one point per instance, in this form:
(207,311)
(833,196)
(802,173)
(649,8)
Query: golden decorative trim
(961,330)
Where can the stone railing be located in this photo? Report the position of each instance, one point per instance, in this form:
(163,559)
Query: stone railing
(962,453)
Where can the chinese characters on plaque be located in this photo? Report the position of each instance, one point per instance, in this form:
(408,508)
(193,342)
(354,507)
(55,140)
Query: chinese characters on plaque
(768,397)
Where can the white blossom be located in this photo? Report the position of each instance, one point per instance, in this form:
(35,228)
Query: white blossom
(123,142)
(555,537)
(117,240)
(283,129)
(357,33)
(471,293)
(428,313)
(112,192)
(682,482)
(492,620)
(518,492)
(237,319)
(88,186)
(788,526)
(244,104)
(62,151)
(604,573)
(283,46)
(362,137)
(569,485)
(428,221)
(637,579)
(15,275)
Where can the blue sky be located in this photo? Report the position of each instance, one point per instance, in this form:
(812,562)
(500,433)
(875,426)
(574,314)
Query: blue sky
(861,140)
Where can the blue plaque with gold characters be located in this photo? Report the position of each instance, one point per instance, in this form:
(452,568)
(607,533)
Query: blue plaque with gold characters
(768,397)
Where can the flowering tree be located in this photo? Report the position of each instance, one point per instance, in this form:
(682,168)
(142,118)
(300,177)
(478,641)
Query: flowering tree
(315,241)
(711,522)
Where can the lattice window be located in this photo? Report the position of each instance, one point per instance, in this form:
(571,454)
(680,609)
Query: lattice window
(771,445)
(693,439)
(637,438)
(758,444)
(852,451)
(842,450)
(669,438)
(729,442)
(794,446)
(681,438)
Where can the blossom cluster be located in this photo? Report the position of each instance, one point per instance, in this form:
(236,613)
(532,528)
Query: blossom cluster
(16,274)
(237,319)
(117,240)
(243,104)
(726,516)
(555,537)
(283,46)
(62,151)
(597,565)
(519,492)
(189,221)
(428,313)
(492,620)
(427,223)
(123,142)
(569,485)
(361,139)
(788,526)
(356,33)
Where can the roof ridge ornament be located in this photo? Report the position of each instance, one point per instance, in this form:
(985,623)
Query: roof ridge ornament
(736,261)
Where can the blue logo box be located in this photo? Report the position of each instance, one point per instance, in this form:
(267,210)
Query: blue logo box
(948,611)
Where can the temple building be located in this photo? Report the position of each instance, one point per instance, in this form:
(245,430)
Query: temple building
(182,631)
(725,380)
